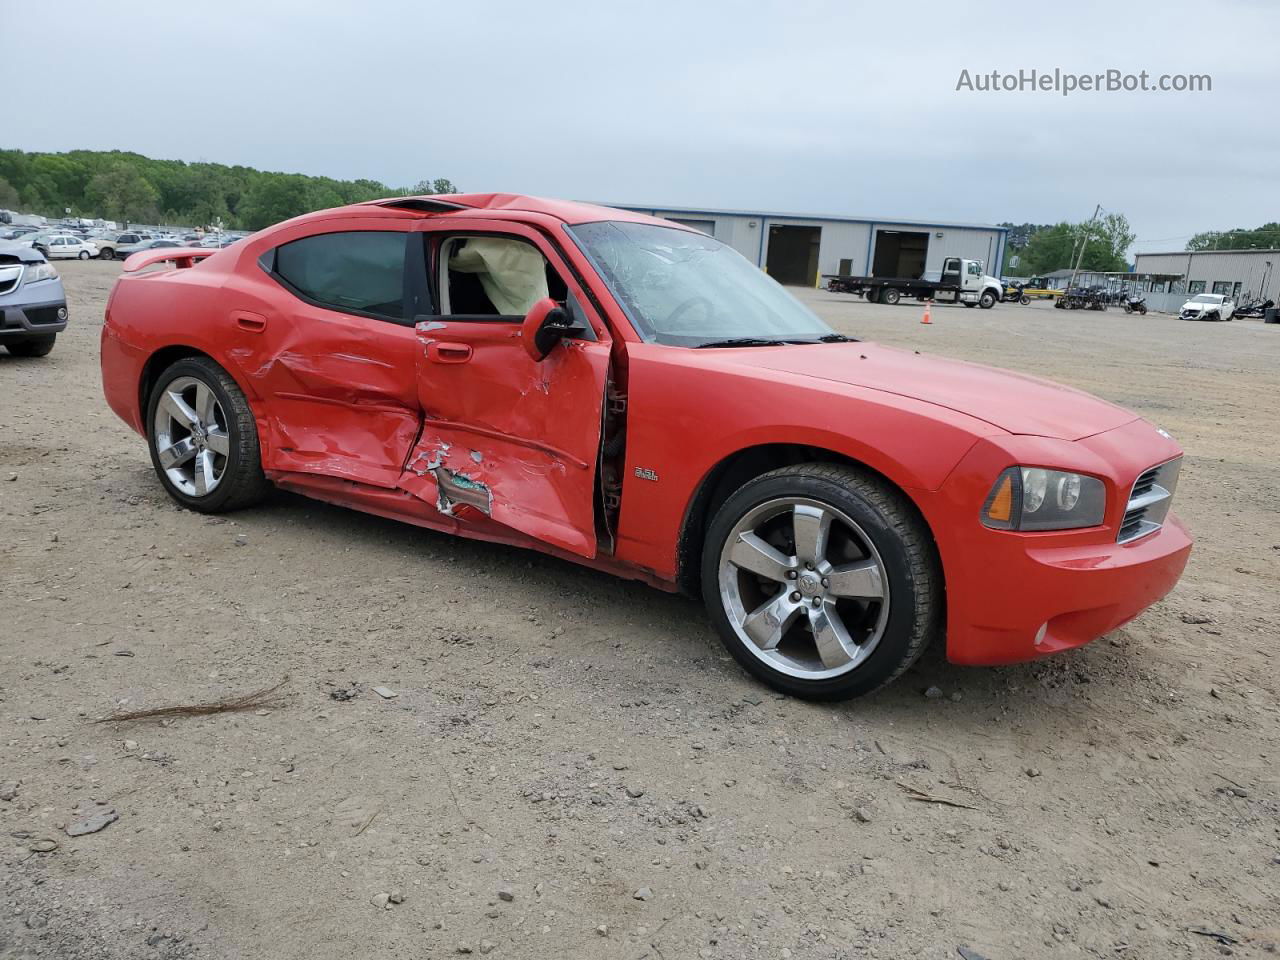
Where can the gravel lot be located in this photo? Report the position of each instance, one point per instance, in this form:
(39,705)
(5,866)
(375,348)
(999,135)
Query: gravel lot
(572,767)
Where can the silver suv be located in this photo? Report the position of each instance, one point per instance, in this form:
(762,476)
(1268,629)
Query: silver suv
(33,305)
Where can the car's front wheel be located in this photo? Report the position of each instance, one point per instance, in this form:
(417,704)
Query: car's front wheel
(83,255)
(32,346)
(822,580)
(204,439)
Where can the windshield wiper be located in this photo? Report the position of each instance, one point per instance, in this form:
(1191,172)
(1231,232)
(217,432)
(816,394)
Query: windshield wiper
(778,342)
(744,342)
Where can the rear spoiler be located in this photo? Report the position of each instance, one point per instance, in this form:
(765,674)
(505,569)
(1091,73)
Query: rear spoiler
(182,257)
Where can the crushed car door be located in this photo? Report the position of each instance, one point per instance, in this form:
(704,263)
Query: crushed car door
(504,435)
(325,335)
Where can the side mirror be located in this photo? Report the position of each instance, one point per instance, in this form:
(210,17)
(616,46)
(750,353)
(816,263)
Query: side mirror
(545,325)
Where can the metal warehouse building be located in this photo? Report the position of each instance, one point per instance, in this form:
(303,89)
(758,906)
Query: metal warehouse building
(1241,275)
(797,248)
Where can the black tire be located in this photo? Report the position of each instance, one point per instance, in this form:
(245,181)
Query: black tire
(1142,309)
(1024,300)
(891,296)
(82,255)
(873,294)
(243,483)
(987,300)
(33,347)
(911,564)
(108,254)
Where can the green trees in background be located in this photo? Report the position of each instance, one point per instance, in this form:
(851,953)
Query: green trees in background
(1264,237)
(1107,241)
(124,186)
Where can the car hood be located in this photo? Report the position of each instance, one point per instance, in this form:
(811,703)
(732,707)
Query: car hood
(1011,401)
(1195,307)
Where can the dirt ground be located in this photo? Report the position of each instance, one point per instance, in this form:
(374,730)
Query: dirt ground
(573,767)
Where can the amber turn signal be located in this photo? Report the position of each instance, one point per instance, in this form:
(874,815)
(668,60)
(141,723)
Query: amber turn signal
(1000,506)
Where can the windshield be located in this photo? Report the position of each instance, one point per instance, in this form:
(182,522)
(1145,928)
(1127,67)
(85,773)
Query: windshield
(1206,298)
(686,289)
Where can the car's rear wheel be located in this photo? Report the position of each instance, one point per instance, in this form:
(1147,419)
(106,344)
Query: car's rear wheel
(891,296)
(204,439)
(83,255)
(33,346)
(822,580)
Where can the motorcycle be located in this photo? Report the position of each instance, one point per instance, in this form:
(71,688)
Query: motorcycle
(1255,310)
(1013,294)
(1082,298)
(1135,305)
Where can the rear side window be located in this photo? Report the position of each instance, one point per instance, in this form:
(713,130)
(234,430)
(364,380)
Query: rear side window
(360,272)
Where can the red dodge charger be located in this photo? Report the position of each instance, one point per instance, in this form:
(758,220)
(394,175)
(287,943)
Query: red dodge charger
(630,394)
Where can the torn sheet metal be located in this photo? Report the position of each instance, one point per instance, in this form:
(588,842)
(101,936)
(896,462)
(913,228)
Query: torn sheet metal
(453,488)
(457,488)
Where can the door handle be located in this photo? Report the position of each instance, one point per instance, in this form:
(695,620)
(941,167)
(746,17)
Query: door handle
(252,322)
(446,352)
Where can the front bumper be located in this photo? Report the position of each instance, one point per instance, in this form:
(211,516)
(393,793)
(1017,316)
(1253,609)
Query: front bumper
(1015,596)
(1049,599)
(33,310)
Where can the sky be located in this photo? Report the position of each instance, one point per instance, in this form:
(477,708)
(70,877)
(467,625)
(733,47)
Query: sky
(834,108)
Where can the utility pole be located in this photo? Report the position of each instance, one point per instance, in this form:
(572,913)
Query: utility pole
(1084,242)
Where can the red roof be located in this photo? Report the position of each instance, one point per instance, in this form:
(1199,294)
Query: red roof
(569,211)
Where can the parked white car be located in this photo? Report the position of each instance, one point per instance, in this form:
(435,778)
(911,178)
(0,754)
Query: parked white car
(1207,306)
(62,246)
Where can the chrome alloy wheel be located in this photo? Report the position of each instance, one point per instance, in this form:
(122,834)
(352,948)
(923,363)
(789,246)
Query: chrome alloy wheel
(804,588)
(191,437)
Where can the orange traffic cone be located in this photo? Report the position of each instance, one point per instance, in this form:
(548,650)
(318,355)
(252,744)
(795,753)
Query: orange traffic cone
(926,318)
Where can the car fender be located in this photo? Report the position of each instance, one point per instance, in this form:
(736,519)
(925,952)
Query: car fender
(687,416)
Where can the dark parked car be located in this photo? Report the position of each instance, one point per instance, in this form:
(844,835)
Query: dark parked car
(124,250)
(108,245)
(33,305)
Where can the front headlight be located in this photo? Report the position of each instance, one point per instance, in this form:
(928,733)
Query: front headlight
(39,271)
(1036,498)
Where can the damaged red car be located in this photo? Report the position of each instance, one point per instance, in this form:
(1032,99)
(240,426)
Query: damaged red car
(633,395)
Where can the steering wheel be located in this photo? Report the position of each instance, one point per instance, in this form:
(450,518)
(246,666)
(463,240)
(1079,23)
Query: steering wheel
(684,307)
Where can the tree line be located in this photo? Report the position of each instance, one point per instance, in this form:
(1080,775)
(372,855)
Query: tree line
(121,186)
(1264,237)
(1045,249)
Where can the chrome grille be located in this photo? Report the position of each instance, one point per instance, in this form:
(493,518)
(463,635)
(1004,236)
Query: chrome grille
(1149,501)
(10,276)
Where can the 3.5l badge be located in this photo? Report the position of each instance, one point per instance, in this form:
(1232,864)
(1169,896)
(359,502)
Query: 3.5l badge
(644,473)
